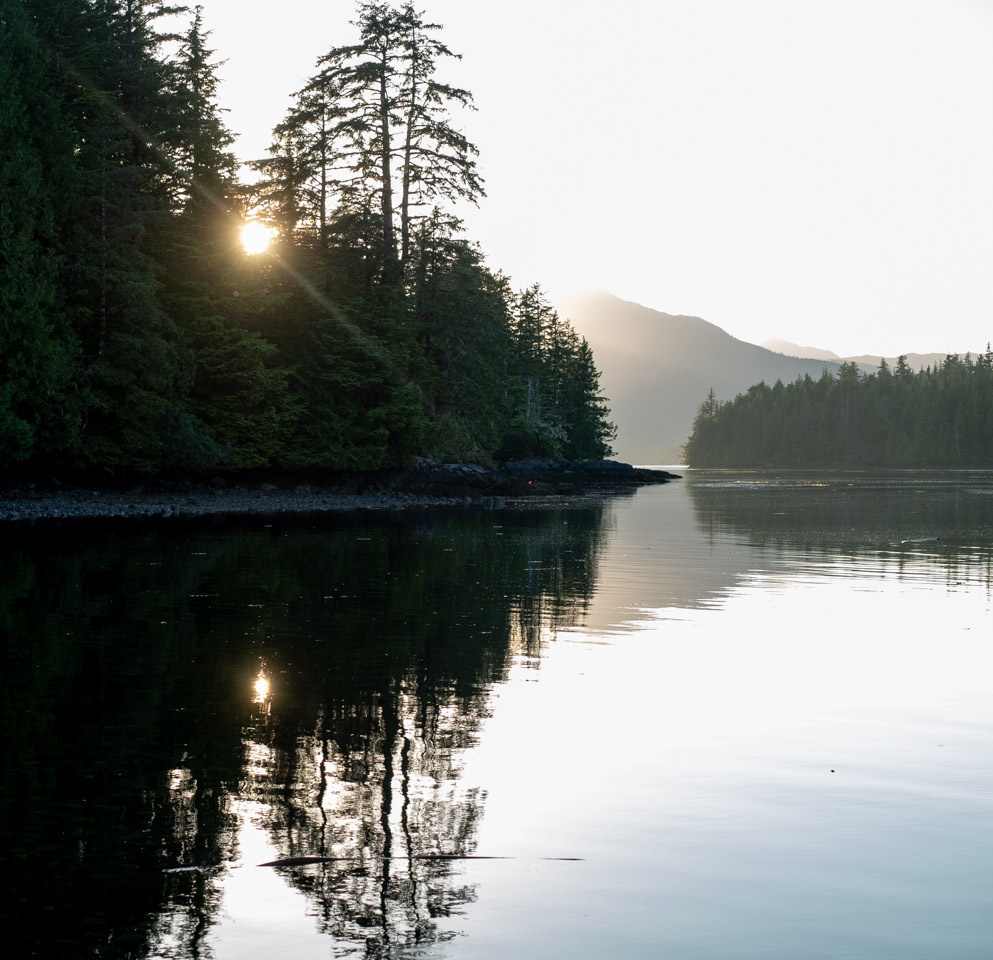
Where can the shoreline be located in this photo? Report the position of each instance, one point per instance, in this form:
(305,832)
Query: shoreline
(516,485)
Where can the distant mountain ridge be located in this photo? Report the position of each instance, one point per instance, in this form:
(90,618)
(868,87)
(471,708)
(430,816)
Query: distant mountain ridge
(657,368)
(866,362)
(795,350)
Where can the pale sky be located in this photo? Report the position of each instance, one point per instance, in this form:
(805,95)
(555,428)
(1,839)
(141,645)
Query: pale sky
(816,171)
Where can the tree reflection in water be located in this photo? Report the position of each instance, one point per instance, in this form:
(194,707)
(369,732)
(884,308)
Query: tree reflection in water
(865,511)
(136,739)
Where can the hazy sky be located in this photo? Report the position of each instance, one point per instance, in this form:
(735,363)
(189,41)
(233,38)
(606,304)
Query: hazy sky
(816,171)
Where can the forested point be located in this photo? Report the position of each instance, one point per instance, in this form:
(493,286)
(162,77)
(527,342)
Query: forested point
(941,416)
(135,331)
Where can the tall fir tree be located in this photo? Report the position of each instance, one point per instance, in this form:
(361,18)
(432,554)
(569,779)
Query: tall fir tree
(462,327)
(132,375)
(238,389)
(39,412)
(388,116)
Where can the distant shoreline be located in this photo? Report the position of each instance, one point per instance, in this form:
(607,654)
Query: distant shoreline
(429,484)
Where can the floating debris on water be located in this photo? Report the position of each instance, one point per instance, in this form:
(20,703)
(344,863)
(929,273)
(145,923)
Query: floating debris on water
(306,861)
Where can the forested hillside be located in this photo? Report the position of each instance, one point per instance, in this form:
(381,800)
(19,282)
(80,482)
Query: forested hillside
(137,333)
(940,416)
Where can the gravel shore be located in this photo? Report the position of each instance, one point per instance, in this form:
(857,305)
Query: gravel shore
(74,503)
(521,484)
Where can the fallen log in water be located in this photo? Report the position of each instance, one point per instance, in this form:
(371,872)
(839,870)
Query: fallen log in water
(305,861)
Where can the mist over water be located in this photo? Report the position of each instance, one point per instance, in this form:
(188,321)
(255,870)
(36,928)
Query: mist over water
(760,717)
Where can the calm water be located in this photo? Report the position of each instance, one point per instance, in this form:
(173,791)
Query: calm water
(763,721)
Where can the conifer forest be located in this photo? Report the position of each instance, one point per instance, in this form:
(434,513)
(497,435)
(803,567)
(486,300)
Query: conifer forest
(941,416)
(136,332)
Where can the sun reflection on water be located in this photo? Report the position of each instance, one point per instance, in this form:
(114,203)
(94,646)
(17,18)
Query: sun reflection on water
(262,689)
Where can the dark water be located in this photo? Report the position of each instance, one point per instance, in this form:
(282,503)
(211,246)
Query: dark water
(761,718)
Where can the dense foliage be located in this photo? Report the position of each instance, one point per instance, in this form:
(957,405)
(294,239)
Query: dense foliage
(940,416)
(136,332)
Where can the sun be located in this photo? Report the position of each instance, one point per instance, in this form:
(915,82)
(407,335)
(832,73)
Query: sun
(256,237)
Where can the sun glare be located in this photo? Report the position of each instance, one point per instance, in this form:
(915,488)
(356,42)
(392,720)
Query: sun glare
(256,237)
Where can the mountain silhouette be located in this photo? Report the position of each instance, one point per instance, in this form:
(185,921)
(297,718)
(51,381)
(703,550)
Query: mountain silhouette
(656,369)
(795,350)
(867,363)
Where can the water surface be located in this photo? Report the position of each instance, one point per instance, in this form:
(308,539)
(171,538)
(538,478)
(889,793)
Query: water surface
(761,718)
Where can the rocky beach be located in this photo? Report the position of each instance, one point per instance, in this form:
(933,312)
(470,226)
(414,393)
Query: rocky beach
(427,484)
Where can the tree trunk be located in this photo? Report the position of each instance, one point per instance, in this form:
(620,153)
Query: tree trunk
(391,263)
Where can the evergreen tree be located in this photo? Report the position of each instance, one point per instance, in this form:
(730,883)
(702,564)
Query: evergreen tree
(588,428)
(39,413)
(556,409)
(238,388)
(200,141)
(380,99)
(112,100)
(462,329)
